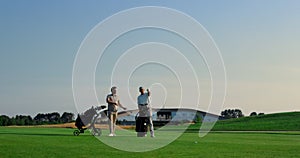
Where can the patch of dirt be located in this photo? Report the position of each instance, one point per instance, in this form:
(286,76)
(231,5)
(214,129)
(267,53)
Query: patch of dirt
(65,125)
(71,125)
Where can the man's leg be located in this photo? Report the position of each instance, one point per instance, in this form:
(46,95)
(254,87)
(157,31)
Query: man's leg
(151,126)
(110,123)
(114,123)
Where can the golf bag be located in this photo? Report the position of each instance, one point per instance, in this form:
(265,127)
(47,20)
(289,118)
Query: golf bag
(141,126)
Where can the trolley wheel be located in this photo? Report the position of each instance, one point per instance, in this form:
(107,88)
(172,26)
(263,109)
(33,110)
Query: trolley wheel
(97,132)
(76,132)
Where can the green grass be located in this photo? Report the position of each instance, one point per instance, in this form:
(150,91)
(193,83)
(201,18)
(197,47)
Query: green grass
(289,121)
(59,142)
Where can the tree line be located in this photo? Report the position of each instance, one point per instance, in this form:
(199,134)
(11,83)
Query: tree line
(39,119)
(236,113)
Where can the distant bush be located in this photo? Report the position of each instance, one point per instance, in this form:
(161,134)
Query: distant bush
(232,113)
(253,114)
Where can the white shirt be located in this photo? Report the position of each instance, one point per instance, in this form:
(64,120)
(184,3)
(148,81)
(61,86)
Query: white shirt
(144,111)
(143,99)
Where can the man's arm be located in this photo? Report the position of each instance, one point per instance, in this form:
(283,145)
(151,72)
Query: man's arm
(110,100)
(148,92)
(121,105)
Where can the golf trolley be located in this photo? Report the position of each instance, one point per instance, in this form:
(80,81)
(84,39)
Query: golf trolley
(88,119)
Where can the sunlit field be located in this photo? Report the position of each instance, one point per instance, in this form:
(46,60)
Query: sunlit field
(60,142)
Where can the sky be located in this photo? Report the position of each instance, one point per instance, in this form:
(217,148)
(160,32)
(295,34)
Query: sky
(258,40)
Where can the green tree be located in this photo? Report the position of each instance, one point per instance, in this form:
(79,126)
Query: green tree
(253,114)
(232,113)
(4,120)
(67,117)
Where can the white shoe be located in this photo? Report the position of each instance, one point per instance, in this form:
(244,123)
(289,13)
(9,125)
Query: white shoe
(111,135)
(152,134)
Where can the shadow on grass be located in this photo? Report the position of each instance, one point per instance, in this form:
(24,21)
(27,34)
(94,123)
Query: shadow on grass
(278,132)
(43,134)
(260,132)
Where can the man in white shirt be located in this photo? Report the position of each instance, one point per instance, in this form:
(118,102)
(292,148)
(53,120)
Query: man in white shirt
(113,102)
(145,110)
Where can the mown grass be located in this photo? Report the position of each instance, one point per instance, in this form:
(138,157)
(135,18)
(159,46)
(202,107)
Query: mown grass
(289,121)
(59,142)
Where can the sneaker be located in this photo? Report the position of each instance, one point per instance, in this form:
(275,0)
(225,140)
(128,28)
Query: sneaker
(111,135)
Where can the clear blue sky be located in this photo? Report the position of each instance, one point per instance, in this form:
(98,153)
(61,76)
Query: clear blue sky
(259,42)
